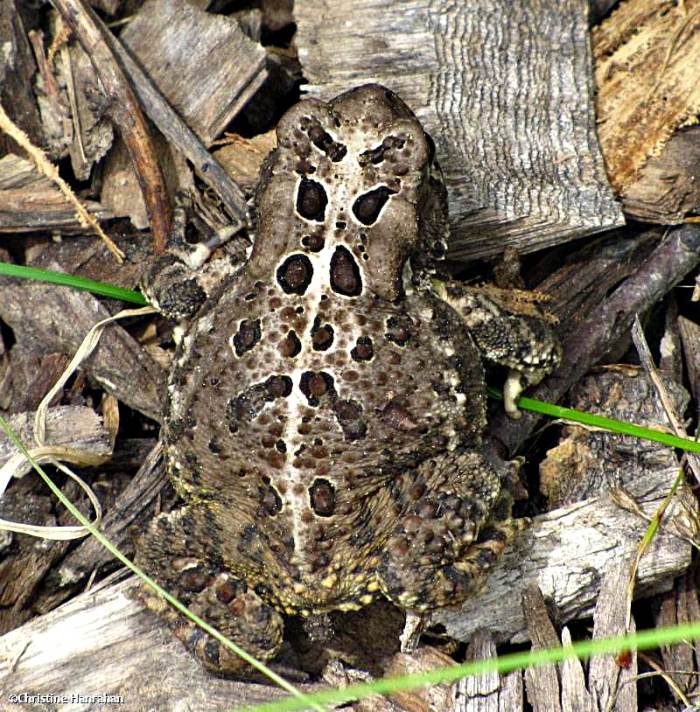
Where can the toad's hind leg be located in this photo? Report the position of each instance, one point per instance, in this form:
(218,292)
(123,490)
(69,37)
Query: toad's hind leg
(526,345)
(456,524)
(169,551)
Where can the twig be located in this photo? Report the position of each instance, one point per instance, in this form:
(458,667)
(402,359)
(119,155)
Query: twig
(180,135)
(51,172)
(126,113)
(647,361)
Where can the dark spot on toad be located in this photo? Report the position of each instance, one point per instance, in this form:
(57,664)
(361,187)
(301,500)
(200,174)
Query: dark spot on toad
(314,243)
(376,155)
(311,200)
(247,336)
(324,141)
(278,386)
(322,497)
(290,346)
(349,416)
(345,274)
(399,329)
(315,385)
(295,273)
(270,500)
(363,350)
(321,336)
(368,206)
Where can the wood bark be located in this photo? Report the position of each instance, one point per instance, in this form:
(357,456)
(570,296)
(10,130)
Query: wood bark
(77,427)
(490,692)
(505,91)
(181,136)
(542,682)
(30,202)
(602,321)
(203,63)
(17,69)
(613,684)
(126,112)
(680,660)
(667,187)
(644,53)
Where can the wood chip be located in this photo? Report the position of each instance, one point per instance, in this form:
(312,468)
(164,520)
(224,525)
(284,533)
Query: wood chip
(30,201)
(588,461)
(574,691)
(130,654)
(645,90)
(422,699)
(612,678)
(174,41)
(667,187)
(541,681)
(58,319)
(679,606)
(78,427)
(562,551)
(490,692)
(242,157)
(690,337)
(17,74)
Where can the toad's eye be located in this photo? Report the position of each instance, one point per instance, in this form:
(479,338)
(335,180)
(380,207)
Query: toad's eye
(368,206)
(311,200)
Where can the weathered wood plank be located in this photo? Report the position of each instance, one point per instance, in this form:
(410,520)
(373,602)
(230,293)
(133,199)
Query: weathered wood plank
(490,692)
(30,202)
(77,427)
(613,685)
(58,319)
(667,187)
(541,682)
(504,89)
(646,53)
(129,653)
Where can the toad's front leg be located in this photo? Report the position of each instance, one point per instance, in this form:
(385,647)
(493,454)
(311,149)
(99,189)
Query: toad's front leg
(179,281)
(526,345)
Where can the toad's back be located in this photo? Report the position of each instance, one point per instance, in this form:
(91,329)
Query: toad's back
(311,383)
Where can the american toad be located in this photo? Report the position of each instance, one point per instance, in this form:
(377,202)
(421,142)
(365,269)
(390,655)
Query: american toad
(325,405)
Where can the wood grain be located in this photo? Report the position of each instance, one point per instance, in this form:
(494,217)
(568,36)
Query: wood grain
(505,91)
(647,53)
(203,63)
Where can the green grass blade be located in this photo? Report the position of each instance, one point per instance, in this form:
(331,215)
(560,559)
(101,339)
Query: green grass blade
(600,421)
(69,280)
(642,640)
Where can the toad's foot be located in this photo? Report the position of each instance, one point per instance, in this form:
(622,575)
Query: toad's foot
(178,282)
(210,592)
